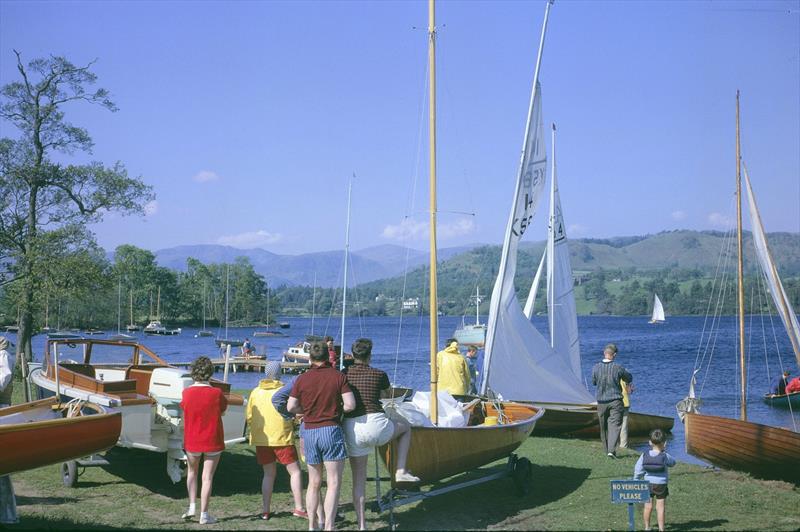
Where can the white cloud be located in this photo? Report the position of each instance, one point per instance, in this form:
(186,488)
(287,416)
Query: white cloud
(678,215)
(411,229)
(250,239)
(151,209)
(204,176)
(720,220)
(576,230)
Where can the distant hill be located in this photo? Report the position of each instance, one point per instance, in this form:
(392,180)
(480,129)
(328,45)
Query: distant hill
(377,262)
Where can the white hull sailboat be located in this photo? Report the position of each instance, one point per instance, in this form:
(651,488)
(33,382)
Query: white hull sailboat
(761,450)
(473,333)
(658,311)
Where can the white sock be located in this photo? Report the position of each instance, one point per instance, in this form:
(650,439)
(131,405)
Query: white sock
(203,515)
(191,509)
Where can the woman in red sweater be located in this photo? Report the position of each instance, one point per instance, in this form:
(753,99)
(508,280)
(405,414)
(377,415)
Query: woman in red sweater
(203,436)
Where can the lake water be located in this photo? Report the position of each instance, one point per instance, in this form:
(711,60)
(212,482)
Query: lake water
(660,357)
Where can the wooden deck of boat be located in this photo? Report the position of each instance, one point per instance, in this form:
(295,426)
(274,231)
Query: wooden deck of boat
(761,450)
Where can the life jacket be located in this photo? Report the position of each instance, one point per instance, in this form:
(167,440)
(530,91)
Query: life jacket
(654,464)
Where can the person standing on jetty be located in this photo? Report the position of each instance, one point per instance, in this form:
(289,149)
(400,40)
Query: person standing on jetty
(322,394)
(203,435)
(652,466)
(367,426)
(452,369)
(8,502)
(607,375)
(273,436)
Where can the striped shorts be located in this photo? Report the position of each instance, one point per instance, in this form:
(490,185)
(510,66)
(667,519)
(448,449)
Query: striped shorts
(323,444)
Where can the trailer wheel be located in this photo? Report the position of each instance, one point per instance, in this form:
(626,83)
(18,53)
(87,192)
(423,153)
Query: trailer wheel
(523,476)
(69,473)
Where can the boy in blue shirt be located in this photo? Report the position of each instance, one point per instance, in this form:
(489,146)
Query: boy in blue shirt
(652,466)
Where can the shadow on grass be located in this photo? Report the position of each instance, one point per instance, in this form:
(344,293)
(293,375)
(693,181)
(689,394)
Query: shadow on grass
(52,523)
(237,473)
(494,502)
(43,501)
(699,524)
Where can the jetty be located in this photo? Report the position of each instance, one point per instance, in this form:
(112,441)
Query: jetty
(239,363)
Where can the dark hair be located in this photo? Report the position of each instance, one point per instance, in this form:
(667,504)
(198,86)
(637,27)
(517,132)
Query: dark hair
(611,348)
(472,348)
(318,352)
(450,341)
(202,369)
(362,349)
(328,339)
(657,436)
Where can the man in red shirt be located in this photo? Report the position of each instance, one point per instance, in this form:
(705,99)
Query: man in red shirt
(322,395)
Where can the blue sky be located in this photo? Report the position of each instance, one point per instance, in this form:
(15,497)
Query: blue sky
(248,118)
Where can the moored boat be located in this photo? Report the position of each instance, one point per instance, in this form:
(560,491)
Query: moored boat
(789,400)
(47,431)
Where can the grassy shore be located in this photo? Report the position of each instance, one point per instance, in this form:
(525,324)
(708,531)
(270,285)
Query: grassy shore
(571,492)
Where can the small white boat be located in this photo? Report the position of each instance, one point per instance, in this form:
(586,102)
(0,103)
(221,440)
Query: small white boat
(129,378)
(658,311)
(472,334)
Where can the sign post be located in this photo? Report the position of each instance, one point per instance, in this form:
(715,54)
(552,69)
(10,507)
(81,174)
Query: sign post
(630,492)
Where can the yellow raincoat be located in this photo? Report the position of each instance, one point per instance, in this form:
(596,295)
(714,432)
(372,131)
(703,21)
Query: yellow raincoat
(626,400)
(452,370)
(267,427)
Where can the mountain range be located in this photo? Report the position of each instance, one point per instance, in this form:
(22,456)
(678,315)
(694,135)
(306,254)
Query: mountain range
(668,249)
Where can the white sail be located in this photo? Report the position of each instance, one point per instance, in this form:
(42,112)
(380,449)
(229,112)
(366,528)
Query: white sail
(776,290)
(513,345)
(531,301)
(658,311)
(561,308)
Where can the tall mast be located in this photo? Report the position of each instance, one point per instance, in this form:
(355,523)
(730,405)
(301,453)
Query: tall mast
(130,293)
(205,286)
(119,306)
(433,305)
(346,259)
(740,267)
(158,305)
(313,302)
(477,305)
(551,315)
(227,285)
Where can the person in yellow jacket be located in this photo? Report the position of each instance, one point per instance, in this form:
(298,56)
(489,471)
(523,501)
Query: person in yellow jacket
(452,370)
(273,436)
(627,389)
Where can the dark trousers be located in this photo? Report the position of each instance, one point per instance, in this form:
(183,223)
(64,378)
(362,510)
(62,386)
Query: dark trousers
(610,415)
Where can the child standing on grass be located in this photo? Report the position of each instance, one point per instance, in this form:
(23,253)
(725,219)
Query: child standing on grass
(203,434)
(652,466)
(273,435)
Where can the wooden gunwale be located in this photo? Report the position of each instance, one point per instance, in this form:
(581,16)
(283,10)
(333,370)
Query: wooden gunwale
(27,445)
(730,435)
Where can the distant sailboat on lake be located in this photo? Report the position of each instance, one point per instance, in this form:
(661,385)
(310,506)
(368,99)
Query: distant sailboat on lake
(658,311)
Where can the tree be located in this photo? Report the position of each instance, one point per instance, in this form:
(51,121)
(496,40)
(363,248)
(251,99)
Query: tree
(45,203)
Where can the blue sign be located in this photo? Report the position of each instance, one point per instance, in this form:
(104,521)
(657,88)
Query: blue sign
(630,491)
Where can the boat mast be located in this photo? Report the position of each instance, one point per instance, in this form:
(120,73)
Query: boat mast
(131,298)
(205,286)
(346,258)
(551,315)
(477,305)
(227,285)
(740,268)
(119,306)
(158,305)
(432,304)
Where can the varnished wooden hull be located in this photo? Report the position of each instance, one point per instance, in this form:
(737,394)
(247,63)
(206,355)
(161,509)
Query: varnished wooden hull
(440,452)
(581,421)
(761,450)
(34,434)
(790,400)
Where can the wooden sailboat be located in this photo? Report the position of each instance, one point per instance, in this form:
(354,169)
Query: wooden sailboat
(440,452)
(269,331)
(658,311)
(762,450)
(47,431)
(155,326)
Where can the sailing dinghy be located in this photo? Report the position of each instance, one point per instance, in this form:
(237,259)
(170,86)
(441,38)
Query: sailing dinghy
(658,311)
(437,451)
(515,347)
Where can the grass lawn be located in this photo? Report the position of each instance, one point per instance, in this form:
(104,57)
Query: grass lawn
(571,492)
